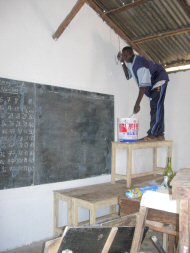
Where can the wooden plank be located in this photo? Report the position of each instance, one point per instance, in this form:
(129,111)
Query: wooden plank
(164,217)
(139,230)
(182,179)
(171,243)
(143,144)
(157,170)
(68,19)
(181,191)
(128,206)
(184,226)
(52,246)
(162,35)
(110,240)
(162,228)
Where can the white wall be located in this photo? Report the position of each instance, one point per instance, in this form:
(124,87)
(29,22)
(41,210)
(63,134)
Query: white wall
(82,58)
(178,117)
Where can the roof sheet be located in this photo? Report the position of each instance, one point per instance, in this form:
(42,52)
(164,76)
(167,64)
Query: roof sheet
(160,28)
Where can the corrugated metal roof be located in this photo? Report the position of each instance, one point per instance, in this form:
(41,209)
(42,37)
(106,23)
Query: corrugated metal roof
(160,29)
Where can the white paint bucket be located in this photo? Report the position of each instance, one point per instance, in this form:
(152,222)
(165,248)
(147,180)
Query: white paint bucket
(127,129)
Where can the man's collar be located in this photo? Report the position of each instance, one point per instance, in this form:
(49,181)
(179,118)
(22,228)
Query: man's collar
(133,60)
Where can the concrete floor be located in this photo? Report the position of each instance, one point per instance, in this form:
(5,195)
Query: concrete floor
(37,247)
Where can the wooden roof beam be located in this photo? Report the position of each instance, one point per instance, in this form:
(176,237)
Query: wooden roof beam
(126,7)
(117,30)
(176,63)
(68,19)
(161,35)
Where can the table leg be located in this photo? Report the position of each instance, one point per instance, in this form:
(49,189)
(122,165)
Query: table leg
(184,226)
(69,210)
(155,159)
(92,215)
(113,163)
(129,166)
(139,229)
(75,212)
(56,208)
(113,210)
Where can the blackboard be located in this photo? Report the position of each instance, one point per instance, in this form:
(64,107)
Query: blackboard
(52,134)
(93,239)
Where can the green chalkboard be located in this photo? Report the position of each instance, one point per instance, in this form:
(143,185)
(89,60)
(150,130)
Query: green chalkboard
(93,239)
(52,134)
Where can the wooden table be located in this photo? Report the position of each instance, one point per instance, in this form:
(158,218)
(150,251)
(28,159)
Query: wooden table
(89,197)
(92,198)
(181,191)
(133,146)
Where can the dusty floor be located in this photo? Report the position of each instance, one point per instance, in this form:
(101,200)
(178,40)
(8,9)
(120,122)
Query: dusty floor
(147,246)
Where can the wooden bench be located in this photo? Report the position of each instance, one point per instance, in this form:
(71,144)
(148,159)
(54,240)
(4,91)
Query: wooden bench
(93,198)
(130,147)
(89,197)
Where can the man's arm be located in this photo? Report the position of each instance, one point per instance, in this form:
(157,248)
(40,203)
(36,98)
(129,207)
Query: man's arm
(139,98)
(144,79)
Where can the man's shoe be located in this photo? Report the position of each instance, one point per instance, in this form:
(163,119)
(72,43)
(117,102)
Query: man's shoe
(149,138)
(160,137)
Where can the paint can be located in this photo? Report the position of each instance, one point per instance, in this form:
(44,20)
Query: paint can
(128,129)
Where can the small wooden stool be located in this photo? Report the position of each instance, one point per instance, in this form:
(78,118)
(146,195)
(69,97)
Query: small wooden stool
(130,147)
(158,201)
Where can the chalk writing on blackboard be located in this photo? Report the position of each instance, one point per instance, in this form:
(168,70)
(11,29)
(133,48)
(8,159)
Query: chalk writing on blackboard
(17,135)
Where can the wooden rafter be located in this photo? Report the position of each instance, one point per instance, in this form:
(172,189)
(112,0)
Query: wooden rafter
(127,7)
(177,63)
(117,30)
(162,35)
(68,19)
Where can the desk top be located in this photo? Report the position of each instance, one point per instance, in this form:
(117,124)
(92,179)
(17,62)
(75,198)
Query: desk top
(181,184)
(182,178)
(106,191)
(142,144)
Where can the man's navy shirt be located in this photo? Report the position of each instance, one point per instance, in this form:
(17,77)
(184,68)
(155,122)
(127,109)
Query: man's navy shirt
(147,73)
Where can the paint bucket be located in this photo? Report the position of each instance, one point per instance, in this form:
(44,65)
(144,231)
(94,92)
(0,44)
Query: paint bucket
(128,129)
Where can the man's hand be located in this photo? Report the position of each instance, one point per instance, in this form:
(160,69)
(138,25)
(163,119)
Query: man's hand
(140,96)
(120,57)
(136,108)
